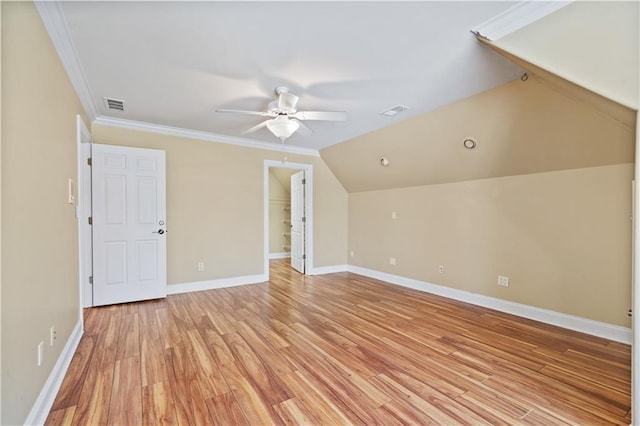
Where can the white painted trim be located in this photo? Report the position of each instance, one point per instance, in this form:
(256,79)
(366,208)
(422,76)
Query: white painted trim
(308,172)
(83,144)
(516,17)
(321,270)
(44,402)
(56,25)
(283,255)
(635,285)
(215,284)
(203,136)
(571,322)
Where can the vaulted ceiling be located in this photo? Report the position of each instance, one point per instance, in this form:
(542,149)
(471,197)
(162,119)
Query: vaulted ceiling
(174,63)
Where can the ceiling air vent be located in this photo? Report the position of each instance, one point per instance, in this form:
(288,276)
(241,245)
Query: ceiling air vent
(115,104)
(394,110)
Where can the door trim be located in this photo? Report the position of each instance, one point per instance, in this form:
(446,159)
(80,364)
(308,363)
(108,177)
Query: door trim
(85,268)
(308,205)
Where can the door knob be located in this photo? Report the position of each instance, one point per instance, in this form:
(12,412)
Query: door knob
(159,231)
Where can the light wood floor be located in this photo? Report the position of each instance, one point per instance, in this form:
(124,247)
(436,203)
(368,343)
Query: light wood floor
(335,349)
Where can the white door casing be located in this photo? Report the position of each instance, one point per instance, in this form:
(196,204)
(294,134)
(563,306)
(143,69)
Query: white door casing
(297,221)
(129,224)
(83,212)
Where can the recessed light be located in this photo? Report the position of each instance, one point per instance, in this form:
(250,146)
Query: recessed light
(469,143)
(394,110)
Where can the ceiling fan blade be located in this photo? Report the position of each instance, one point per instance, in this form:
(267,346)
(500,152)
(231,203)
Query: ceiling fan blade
(303,129)
(239,111)
(320,115)
(287,101)
(256,127)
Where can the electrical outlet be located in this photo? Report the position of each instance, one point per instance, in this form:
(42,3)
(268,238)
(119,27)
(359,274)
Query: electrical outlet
(503,281)
(392,261)
(393,215)
(40,353)
(352,253)
(441,269)
(52,335)
(200,266)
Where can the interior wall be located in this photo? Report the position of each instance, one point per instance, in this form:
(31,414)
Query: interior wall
(595,44)
(520,127)
(563,238)
(215,205)
(39,230)
(279,214)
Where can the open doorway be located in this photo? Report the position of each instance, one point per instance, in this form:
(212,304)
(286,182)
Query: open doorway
(288,214)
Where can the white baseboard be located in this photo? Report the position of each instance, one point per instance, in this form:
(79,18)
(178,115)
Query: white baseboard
(571,322)
(283,255)
(214,284)
(42,406)
(321,270)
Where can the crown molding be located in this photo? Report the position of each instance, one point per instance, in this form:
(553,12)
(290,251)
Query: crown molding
(516,17)
(203,136)
(56,25)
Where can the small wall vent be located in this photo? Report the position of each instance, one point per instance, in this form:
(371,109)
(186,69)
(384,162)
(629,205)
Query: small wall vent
(115,104)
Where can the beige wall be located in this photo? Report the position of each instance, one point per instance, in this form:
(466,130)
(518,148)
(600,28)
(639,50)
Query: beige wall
(563,238)
(520,127)
(595,44)
(215,205)
(279,213)
(39,229)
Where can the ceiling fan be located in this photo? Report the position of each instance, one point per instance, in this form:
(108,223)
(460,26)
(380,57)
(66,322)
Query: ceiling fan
(286,119)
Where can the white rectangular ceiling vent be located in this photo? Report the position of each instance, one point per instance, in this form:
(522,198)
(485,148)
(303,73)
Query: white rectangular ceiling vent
(394,110)
(116,104)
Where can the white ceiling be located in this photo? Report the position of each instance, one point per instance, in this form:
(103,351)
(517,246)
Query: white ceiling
(175,63)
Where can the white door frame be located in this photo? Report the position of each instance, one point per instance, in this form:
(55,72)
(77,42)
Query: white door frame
(83,211)
(308,206)
(635,287)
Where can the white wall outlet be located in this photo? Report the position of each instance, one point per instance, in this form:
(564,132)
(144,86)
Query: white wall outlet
(352,253)
(392,261)
(200,266)
(503,281)
(52,335)
(393,215)
(40,353)
(441,269)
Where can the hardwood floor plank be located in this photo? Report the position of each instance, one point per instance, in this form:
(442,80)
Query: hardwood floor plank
(335,349)
(61,417)
(264,379)
(207,372)
(126,394)
(224,410)
(292,413)
(255,408)
(76,375)
(319,405)
(158,407)
(95,397)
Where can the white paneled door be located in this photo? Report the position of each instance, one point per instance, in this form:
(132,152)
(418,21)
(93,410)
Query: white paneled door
(129,224)
(297,221)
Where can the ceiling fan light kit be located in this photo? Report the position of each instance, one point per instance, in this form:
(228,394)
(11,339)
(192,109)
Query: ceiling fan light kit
(282,127)
(286,119)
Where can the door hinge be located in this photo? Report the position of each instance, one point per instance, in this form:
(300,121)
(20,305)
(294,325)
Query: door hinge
(90,220)
(89,162)
(304,257)
(304,181)
(91,280)
(304,219)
